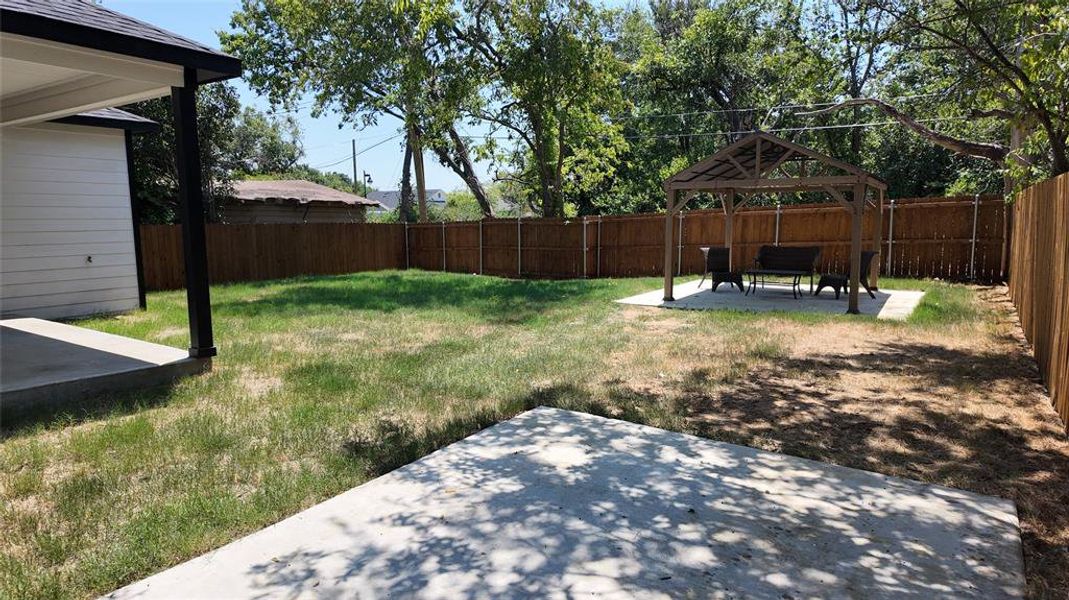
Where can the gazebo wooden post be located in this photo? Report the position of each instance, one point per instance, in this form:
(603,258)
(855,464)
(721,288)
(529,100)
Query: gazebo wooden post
(669,272)
(728,202)
(857,206)
(877,240)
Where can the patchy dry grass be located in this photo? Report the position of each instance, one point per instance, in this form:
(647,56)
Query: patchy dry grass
(322,383)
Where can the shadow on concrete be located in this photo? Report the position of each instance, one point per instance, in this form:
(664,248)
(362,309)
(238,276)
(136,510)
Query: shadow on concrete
(560,504)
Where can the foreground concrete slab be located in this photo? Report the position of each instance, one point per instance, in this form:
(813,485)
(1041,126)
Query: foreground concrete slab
(48,365)
(558,504)
(888,304)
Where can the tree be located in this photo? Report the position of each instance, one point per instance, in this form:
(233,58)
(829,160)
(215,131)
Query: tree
(338,181)
(852,36)
(995,60)
(553,81)
(364,60)
(155,170)
(265,144)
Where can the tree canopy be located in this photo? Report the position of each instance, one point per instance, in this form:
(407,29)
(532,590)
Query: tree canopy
(583,109)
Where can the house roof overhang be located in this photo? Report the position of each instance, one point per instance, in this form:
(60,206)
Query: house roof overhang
(112,118)
(762,162)
(59,58)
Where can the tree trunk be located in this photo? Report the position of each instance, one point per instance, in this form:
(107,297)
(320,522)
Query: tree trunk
(421,183)
(404,207)
(460,163)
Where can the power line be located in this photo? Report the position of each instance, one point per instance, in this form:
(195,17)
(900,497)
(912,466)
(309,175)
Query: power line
(350,155)
(748,131)
(791,129)
(755,108)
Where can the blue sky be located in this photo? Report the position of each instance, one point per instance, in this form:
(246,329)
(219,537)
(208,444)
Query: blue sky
(324,142)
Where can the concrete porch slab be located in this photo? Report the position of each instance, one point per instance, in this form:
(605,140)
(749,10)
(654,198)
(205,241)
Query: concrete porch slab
(558,504)
(45,364)
(888,304)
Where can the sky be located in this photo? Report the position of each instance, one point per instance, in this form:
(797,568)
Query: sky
(327,146)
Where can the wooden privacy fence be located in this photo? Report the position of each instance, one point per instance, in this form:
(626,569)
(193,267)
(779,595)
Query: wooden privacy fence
(1039,280)
(255,252)
(950,238)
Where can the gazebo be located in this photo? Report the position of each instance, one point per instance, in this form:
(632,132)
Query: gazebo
(764,163)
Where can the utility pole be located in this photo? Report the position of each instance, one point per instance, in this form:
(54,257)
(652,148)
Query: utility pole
(354,170)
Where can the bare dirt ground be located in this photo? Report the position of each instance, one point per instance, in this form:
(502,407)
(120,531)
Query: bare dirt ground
(963,408)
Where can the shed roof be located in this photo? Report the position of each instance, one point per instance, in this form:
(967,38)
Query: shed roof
(764,162)
(87,24)
(114,118)
(297,191)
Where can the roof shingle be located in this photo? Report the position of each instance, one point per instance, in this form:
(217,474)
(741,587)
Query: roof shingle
(294,190)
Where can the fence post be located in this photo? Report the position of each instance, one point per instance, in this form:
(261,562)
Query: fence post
(443,246)
(598,269)
(972,248)
(778,210)
(584,247)
(891,240)
(679,249)
(480,246)
(519,246)
(408,264)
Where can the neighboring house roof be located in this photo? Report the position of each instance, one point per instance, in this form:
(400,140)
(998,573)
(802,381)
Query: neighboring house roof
(296,191)
(84,23)
(389,199)
(113,118)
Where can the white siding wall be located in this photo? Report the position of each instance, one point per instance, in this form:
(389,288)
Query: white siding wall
(64,196)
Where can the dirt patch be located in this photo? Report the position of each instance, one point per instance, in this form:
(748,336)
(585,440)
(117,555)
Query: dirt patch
(963,409)
(257,384)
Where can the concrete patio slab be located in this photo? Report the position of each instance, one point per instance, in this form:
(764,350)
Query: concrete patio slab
(888,304)
(558,504)
(44,364)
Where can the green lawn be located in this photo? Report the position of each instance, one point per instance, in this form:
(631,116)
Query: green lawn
(322,383)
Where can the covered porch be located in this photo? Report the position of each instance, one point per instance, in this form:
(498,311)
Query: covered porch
(45,364)
(63,66)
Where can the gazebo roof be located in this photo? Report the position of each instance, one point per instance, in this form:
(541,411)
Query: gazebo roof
(764,162)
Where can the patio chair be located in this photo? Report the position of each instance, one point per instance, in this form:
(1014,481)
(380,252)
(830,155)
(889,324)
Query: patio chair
(840,282)
(717,265)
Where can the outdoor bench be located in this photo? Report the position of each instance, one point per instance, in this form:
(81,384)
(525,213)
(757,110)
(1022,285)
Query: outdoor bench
(785,261)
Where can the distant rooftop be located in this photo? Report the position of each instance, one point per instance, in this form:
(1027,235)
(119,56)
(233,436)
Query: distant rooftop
(296,191)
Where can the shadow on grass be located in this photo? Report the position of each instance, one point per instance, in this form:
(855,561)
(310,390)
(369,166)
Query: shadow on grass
(98,406)
(491,298)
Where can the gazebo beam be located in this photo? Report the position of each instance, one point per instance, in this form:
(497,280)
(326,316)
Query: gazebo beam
(857,203)
(779,162)
(669,272)
(877,238)
(728,202)
(845,182)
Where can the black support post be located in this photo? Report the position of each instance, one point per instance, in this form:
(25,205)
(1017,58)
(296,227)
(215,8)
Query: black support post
(191,210)
(135,216)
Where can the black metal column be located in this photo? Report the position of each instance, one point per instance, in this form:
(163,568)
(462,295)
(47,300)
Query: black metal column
(191,211)
(135,216)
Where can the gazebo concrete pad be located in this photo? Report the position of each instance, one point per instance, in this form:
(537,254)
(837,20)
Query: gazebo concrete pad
(889,304)
(561,504)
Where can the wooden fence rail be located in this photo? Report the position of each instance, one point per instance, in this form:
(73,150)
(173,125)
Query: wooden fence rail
(1039,280)
(950,238)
